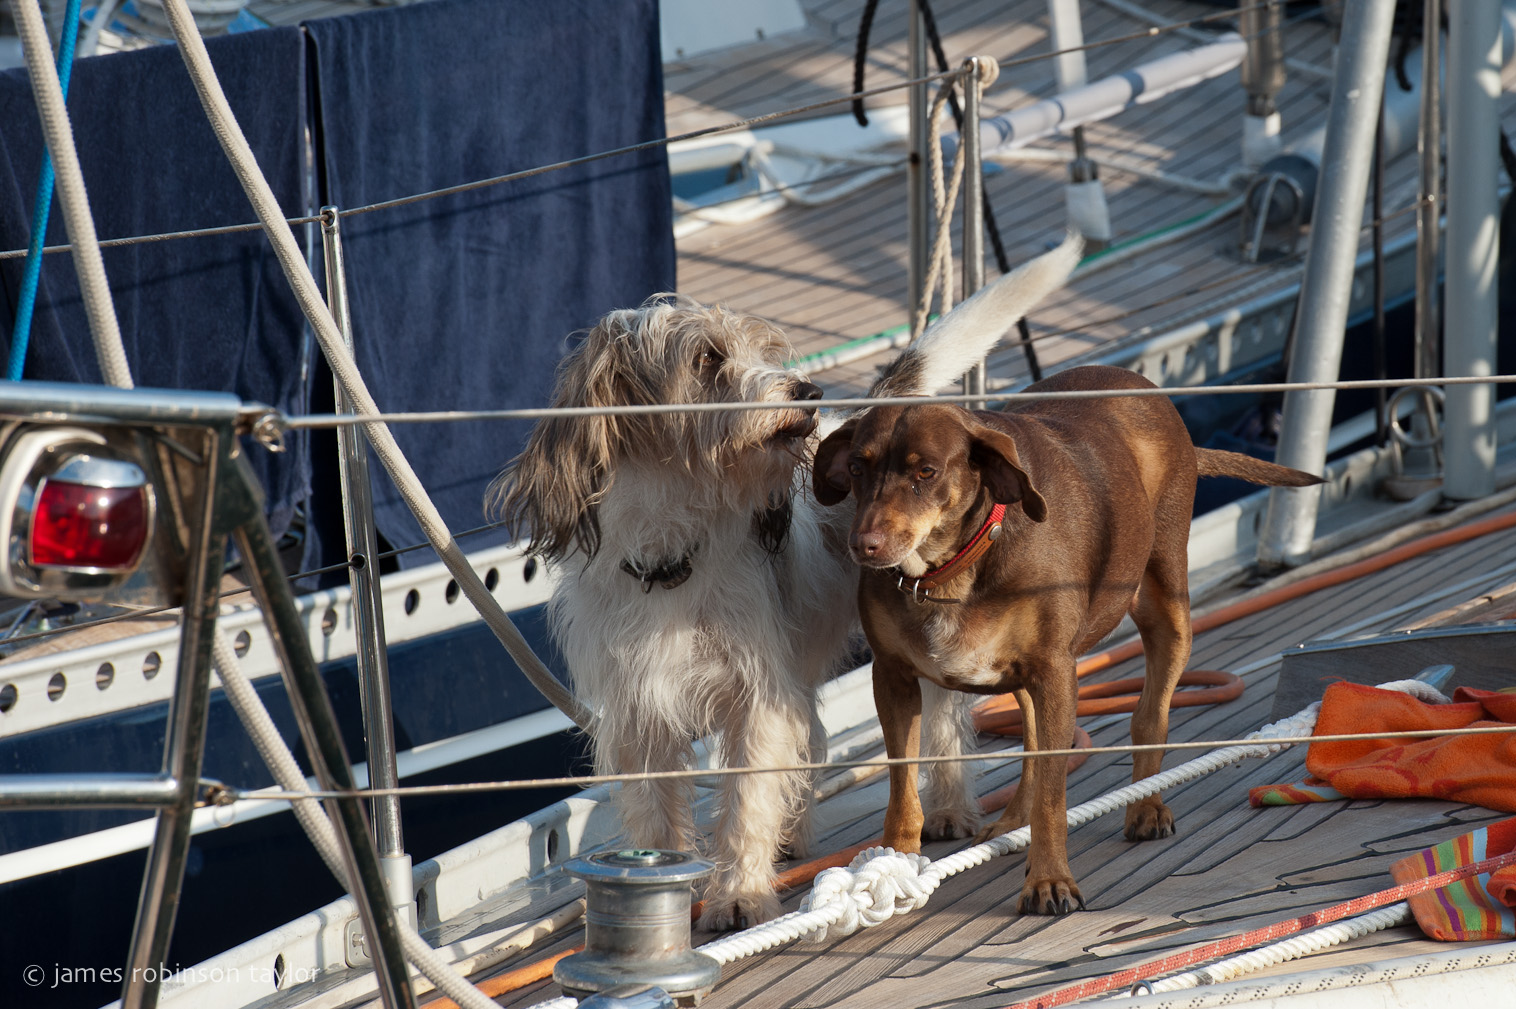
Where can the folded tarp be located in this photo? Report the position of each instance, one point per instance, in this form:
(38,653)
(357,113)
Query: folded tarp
(467,302)
(208,313)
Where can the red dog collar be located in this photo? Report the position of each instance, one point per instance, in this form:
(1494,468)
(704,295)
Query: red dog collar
(971,552)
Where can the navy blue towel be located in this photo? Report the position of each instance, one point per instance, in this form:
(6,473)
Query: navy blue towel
(197,313)
(467,302)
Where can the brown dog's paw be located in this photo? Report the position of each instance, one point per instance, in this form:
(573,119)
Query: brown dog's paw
(1009,820)
(1148,821)
(1050,896)
(724,914)
(949,824)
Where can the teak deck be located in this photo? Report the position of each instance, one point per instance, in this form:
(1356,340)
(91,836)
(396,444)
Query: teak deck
(838,272)
(1229,868)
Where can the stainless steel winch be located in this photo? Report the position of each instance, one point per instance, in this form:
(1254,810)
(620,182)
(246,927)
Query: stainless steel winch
(637,925)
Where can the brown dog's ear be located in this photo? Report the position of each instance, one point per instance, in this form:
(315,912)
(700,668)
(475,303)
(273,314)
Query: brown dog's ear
(994,452)
(829,475)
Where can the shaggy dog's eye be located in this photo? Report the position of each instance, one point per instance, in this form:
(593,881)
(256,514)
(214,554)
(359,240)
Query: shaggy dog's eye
(709,360)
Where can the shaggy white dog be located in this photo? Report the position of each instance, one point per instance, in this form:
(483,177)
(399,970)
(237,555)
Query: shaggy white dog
(703,589)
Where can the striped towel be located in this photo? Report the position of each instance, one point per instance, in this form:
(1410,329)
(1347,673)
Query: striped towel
(1480,907)
(1309,790)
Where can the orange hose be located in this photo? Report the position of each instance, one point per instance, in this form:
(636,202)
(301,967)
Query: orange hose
(1326,579)
(1001,713)
(511,980)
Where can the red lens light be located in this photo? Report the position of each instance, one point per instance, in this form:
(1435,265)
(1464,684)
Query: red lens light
(78,526)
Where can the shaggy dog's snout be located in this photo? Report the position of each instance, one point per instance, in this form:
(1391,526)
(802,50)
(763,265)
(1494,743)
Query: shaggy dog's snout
(802,392)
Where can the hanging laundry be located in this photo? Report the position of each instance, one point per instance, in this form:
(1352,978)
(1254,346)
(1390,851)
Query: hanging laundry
(468,301)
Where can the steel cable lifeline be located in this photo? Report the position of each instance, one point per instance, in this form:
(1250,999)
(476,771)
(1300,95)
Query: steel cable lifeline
(316,421)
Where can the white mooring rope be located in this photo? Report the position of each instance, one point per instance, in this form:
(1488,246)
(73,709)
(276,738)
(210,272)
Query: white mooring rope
(881,883)
(1293,948)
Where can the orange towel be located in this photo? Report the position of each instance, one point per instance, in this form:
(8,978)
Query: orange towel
(1480,770)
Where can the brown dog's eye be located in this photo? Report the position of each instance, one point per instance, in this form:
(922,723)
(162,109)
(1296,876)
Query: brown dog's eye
(925,473)
(855,469)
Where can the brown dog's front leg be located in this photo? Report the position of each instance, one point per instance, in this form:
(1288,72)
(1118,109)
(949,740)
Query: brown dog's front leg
(1050,887)
(1163,618)
(1018,811)
(897,696)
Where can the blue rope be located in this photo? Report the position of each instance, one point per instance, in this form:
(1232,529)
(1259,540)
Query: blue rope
(41,209)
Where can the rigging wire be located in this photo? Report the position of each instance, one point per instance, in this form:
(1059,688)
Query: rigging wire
(318,421)
(21,333)
(739,124)
(224,794)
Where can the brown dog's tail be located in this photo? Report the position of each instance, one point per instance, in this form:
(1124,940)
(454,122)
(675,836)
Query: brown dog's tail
(1217,462)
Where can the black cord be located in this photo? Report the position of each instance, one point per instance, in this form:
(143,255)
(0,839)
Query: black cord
(860,58)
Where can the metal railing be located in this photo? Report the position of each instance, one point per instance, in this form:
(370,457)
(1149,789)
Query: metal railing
(191,443)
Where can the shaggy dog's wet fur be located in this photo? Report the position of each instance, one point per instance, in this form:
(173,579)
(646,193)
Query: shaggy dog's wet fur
(703,590)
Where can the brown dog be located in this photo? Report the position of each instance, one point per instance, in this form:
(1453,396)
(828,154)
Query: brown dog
(977,596)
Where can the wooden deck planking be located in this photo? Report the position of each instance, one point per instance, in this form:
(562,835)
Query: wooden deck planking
(824,288)
(693,281)
(1230,867)
(1233,886)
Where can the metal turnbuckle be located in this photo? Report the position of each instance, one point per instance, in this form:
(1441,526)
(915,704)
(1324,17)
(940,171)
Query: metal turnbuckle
(637,926)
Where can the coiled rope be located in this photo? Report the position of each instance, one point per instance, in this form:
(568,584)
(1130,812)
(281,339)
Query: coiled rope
(945,196)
